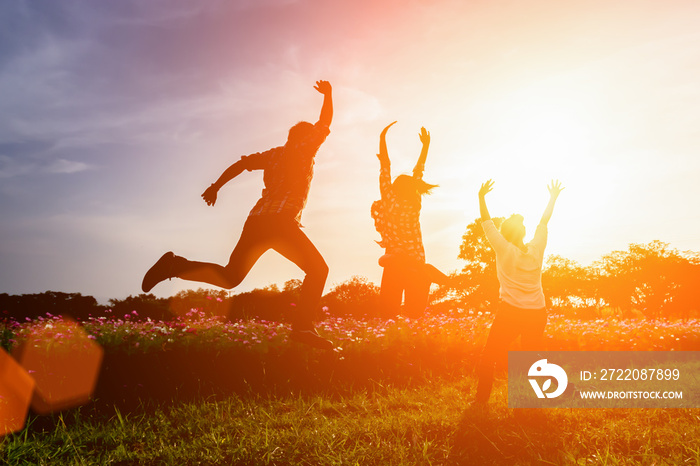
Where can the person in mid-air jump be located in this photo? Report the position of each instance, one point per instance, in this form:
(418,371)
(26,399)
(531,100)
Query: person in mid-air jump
(273,223)
(521,308)
(397,219)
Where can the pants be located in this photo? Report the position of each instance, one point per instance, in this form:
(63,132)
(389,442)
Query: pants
(260,234)
(409,280)
(509,323)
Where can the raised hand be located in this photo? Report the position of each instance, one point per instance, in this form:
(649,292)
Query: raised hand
(383,133)
(555,188)
(324,87)
(383,154)
(424,136)
(485,188)
(209,195)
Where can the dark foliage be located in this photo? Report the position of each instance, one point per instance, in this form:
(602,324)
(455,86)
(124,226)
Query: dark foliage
(650,280)
(31,306)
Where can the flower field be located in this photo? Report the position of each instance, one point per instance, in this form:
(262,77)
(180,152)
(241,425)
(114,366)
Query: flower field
(466,330)
(198,355)
(394,391)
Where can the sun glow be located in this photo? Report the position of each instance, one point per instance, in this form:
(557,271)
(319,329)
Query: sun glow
(534,135)
(541,127)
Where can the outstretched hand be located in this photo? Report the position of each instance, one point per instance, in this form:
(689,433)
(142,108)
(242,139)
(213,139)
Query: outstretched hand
(555,188)
(209,195)
(383,154)
(424,136)
(383,133)
(324,87)
(485,188)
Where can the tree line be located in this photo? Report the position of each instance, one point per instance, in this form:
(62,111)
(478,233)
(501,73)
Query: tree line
(651,280)
(647,280)
(270,302)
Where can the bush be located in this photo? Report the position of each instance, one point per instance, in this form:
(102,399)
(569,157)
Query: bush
(356,297)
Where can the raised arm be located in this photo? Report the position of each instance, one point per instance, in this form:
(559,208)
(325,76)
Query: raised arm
(555,188)
(420,165)
(324,87)
(384,162)
(483,191)
(209,195)
(383,154)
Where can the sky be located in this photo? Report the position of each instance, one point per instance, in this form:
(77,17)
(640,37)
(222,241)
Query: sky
(116,116)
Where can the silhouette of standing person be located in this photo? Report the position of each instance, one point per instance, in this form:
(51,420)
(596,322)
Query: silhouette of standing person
(397,218)
(273,223)
(521,308)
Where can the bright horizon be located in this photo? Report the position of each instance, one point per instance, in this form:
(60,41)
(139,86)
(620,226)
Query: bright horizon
(117,116)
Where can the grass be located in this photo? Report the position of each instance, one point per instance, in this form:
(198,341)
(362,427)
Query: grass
(385,425)
(395,392)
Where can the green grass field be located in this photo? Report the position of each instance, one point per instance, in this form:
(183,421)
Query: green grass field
(431,423)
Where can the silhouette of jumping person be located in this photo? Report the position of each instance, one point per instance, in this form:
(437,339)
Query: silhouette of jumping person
(397,219)
(273,223)
(521,308)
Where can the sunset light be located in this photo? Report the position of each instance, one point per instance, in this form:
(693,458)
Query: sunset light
(314,232)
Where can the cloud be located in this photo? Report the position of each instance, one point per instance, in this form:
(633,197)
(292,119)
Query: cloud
(12,167)
(66,166)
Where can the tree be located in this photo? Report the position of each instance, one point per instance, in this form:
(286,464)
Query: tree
(478,278)
(146,306)
(649,278)
(568,285)
(686,302)
(356,296)
(57,303)
(267,303)
(210,302)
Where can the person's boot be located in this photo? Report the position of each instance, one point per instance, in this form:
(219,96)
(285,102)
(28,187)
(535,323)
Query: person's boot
(161,270)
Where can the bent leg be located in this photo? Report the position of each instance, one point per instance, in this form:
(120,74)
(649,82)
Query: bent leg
(433,274)
(294,245)
(418,287)
(251,245)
